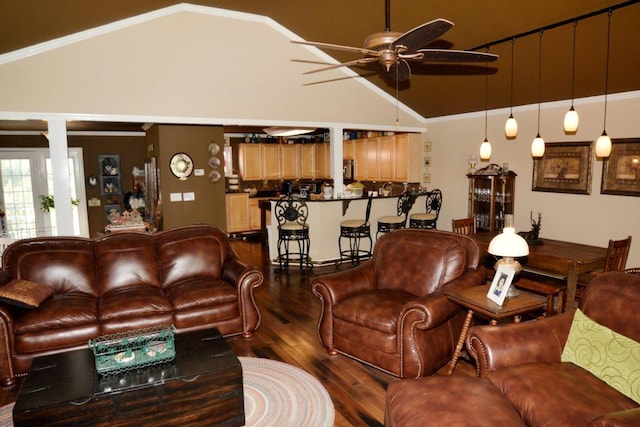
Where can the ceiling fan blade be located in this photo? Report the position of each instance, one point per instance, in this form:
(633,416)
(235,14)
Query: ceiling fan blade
(400,71)
(443,55)
(361,50)
(422,35)
(344,64)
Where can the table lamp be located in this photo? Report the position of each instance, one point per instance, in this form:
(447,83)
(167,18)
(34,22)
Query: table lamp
(509,245)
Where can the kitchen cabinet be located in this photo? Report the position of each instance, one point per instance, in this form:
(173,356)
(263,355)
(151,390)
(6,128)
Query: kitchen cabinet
(491,197)
(348,150)
(408,153)
(271,166)
(360,155)
(308,161)
(254,213)
(237,209)
(250,158)
(323,160)
(290,161)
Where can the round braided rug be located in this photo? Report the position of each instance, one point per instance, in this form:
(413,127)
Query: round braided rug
(278,394)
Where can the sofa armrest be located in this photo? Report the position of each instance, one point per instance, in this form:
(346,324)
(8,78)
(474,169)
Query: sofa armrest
(541,340)
(245,278)
(628,418)
(7,338)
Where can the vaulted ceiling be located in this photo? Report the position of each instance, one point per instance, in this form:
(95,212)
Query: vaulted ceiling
(434,89)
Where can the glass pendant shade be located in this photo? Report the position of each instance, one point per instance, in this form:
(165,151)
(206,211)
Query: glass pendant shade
(485,150)
(603,145)
(537,147)
(571,121)
(511,127)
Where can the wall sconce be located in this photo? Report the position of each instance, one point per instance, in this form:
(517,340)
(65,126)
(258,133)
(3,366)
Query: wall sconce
(603,144)
(571,119)
(511,126)
(537,146)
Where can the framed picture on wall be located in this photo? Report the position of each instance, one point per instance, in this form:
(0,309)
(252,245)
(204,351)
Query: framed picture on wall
(110,182)
(621,170)
(564,168)
(111,212)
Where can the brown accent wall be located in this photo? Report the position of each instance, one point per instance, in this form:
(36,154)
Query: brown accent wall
(209,204)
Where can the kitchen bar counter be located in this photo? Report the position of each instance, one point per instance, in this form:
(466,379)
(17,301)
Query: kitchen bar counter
(324,221)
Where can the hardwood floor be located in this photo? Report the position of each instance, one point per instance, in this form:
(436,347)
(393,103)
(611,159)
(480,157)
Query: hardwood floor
(288,333)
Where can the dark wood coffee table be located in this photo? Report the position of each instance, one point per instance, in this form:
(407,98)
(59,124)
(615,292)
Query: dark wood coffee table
(202,386)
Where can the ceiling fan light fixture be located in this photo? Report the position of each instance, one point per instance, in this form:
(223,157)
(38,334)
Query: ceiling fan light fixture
(537,146)
(285,131)
(603,145)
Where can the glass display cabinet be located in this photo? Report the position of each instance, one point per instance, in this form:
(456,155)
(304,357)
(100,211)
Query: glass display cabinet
(491,196)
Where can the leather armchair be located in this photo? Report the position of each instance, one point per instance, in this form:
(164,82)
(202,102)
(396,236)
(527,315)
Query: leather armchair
(391,311)
(523,360)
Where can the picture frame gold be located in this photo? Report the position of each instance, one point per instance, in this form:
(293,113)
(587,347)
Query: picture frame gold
(621,170)
(566,167)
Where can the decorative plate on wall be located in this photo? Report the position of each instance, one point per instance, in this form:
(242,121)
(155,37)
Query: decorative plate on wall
(214,148)
(181,165)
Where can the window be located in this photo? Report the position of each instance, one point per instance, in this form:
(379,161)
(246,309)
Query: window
(26,175)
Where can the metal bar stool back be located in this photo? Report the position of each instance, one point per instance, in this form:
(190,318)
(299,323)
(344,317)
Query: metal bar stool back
(394,222)
(291,212)
(429,218)
(355,230)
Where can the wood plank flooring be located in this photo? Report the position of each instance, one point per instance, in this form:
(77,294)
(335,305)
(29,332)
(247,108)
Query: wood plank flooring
(288,333)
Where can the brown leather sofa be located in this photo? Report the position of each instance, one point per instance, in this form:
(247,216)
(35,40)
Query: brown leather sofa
(523,360)
(391,311)
(188,277)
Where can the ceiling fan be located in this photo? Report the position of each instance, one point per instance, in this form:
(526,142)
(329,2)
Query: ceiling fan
(394,50)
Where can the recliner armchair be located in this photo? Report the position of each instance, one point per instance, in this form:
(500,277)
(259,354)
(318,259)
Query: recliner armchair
(391,311)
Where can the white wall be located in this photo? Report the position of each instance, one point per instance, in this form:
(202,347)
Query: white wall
(589,219)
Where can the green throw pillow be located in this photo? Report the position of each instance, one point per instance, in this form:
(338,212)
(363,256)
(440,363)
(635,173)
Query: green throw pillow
(610,356)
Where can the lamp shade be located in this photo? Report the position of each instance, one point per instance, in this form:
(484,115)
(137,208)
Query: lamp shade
(537,147)
(485,150)
(508,244)
(603,145)
(511,127)
(571,121)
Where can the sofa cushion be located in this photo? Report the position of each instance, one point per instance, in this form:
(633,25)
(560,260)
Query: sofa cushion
(558,394)
(201,301)
(608,355)
(24,293)
(134,307)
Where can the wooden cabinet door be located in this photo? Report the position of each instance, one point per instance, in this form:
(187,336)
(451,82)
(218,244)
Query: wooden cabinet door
(360,157)
(238,212)
(323,160)
(348,149)
(373,159)
(249,156)
(309,160)
(270,161)
(290,161)
(386,155)
(408,158)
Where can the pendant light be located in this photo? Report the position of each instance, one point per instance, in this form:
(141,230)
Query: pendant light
(485,147)
(603,144)
(537,146)
(571,119)
(511,126)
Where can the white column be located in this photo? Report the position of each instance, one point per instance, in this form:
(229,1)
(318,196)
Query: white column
(337,154)
(58,152)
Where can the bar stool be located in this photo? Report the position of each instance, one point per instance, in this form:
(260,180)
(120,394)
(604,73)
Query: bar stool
(429,218)
(291,213)
(355,230)
(394,222)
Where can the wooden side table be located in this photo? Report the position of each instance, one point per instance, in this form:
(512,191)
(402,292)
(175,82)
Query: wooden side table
(475,300)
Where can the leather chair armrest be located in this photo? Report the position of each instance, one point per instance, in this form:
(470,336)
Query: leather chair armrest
(4,277)
(495,347)
(628,418)
(7,340)
(338,286)
(234,269)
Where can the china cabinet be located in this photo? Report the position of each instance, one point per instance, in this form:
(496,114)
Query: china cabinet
(491,196)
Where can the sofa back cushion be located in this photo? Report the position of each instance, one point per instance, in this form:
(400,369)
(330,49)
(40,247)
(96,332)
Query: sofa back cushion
(420,261)
(125,260)
(191,252)
(613,300)
(66,264)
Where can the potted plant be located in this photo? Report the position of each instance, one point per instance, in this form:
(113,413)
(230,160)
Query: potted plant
(47,202)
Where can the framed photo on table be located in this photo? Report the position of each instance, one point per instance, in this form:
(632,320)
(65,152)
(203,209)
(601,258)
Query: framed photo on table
(500,285)
(564,168)
(621,170)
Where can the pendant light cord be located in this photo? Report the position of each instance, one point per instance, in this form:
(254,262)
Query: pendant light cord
(539,78)
(486,95)
(606,75)
(573,65)
(513,42)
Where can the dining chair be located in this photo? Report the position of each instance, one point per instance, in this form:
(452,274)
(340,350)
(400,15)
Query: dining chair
(429,218)
(616,260)
(464,225)
(291,213)
(389,223)
(354,230)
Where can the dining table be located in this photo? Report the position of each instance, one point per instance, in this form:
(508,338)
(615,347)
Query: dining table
(557,258)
